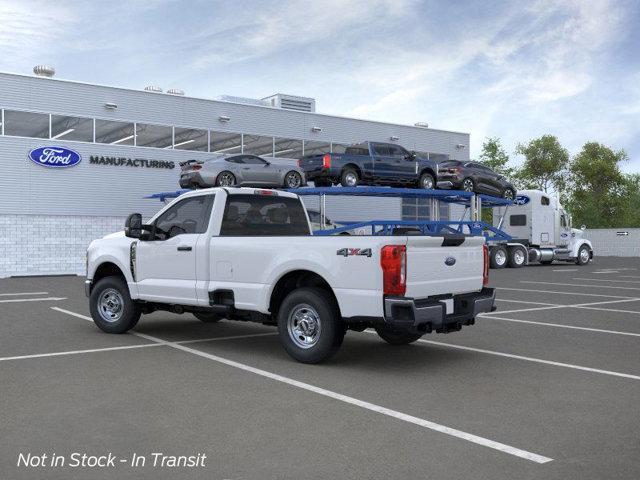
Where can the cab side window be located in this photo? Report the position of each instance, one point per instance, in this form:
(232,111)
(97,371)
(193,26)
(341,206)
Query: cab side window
(190,215)
(544,200)
(397,151)
(381,150)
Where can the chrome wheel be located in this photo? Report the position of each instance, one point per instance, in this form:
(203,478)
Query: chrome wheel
(584,255)
(351,179)
(427,182)
(303,326)
(110,305)
(467,185)
(293,180)
(226,179)
(518,256)
(508,194)
(500,257)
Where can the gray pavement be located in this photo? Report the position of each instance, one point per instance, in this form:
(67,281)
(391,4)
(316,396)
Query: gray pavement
(541,376)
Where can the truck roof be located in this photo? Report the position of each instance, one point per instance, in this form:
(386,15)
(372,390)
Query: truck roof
(236,191)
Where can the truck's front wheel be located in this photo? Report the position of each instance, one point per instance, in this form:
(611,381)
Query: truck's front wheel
(309,325)
(111,307)
(396,337)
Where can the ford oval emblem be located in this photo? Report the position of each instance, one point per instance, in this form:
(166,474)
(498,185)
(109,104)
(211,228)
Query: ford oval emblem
(521,200)
(55,157)
(450,261)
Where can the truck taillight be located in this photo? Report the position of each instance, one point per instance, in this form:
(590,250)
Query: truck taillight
(393,260)
(485,269)
(299,162)
(196,167)
(326,160)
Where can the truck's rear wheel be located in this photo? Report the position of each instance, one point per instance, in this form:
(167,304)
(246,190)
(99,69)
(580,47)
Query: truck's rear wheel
(111,307)
(517,257)
(208,317)
(396,337)
(498,256)
(309,325)
(427,182)
(349,178)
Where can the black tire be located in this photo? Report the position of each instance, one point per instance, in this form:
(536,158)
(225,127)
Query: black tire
(583,260)
(322,183)
(345,177)
(396,337)
(111,307)
(330,332)
(498,257)
(517,257)
(208,317)
(509,193)
(290,183)
(468,185)
(220,182)
(427,178)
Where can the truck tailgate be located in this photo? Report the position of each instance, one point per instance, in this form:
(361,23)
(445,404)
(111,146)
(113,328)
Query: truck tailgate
(434,269)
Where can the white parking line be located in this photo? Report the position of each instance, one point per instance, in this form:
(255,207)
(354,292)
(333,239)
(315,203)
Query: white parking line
(604,280)
(627,276)
(47,299)
(76,352)
(530,309)
(566,269)
(23,293)
(212,339)
(523,302)
(535,360)
(572,327)
(580,285)
(564,293)
(346,399)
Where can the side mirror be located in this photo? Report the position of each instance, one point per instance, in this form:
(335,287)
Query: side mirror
(133,226)
(583,227)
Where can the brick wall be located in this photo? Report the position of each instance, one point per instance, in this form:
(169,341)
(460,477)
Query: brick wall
(49,244)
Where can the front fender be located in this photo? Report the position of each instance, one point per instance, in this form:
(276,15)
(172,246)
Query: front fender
(579,243)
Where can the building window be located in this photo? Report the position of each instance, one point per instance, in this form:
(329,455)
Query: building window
(72,128)
(287,148)
(26,124)
(316,148)
(114,133)
(338,147)
(258,145)
(157,136)
(190,139)
(225,143)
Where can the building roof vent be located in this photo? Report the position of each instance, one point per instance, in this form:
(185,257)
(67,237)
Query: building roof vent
(44,71)
(292,102)
(243,100)
(422,124)
(153,88)
(175,91)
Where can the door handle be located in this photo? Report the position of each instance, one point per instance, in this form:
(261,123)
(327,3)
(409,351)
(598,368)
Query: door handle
(184,248)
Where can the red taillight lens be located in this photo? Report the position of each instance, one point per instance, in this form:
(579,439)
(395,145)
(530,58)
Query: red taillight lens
(485,271)
(196,167)
(299,162)
(326,160)
(393,260)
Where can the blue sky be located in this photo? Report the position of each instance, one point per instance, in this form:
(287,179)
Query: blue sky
(515,70)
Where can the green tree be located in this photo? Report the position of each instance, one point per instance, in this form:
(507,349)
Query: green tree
(599,192)
(545,165)
(495,157)
(631,198)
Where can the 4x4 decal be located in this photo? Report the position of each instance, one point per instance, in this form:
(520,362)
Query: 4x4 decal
(348,252)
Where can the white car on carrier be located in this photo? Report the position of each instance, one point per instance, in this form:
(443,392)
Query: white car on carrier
(248,254)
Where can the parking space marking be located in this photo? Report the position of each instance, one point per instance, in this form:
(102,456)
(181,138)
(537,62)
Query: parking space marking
(564,293)
(531,309)
(628,276)
(46,299)
(566,269)
(572,327)
(532,359)
(23,293)
(604,280)
(232,337)
(522,301)
(76,352)
(344,398)
(579,285)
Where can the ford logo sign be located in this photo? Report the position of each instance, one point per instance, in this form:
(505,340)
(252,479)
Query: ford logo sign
(450,261)
(521,200)
(56,157)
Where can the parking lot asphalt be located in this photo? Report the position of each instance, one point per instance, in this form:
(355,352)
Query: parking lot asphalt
(545,387)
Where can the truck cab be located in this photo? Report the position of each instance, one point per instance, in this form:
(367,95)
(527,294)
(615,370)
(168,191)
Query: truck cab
(538,222)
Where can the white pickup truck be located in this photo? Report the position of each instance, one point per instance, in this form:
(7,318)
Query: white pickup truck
(248,254)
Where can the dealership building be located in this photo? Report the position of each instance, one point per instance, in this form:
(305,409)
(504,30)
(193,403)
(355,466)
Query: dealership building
(129,144)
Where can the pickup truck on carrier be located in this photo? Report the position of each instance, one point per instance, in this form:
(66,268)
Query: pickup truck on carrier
(249,254)
(371,163)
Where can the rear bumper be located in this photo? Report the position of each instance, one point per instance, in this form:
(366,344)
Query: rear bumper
(429,314)
(192,179)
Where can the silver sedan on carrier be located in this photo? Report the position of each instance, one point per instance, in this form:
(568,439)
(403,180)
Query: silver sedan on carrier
(240,170)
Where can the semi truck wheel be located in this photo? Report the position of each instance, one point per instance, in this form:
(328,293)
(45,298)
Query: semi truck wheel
(395,337)
(583,255)
(309,325)
(498,256)
(207,317)
(111,307)
(517,257)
